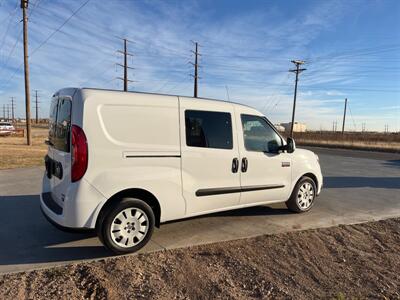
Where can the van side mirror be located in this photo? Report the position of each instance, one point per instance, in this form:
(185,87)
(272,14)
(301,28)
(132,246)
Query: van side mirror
(290,145)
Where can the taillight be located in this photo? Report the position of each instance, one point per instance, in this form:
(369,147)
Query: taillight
(79,155)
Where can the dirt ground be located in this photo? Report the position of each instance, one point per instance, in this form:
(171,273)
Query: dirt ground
(345,262)
(14,153)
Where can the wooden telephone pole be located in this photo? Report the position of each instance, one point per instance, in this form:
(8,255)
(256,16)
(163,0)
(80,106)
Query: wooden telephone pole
(297,71)
(344,115)
(24,6)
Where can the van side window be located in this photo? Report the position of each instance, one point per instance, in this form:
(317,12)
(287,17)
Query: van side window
(259,135)
(208,129)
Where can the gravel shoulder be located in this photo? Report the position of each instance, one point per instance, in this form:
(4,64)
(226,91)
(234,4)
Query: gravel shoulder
(352,261)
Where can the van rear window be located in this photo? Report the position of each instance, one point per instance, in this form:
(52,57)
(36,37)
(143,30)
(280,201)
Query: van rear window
(60,123)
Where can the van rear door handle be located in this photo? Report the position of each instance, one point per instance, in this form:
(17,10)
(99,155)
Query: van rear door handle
(245,164)
(235,165)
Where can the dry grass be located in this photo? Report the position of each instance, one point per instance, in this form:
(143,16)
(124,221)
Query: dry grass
(353,140)
(14,153)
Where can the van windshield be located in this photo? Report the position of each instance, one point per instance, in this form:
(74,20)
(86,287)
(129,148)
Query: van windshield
(60,123)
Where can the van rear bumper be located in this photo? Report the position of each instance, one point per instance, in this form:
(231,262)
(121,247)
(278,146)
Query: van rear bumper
(53,212)
(63,228)
(77,211)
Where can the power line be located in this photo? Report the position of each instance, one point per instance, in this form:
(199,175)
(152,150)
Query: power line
(59,28)
(270,106)
(351,115)
(178,83)
(12,50)
(48,38)
(11,14)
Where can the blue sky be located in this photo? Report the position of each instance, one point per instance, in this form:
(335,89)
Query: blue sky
(351,49)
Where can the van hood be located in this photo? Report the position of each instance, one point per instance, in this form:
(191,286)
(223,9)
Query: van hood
(304,153)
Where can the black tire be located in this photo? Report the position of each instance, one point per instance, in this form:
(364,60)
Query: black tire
(294,203)
(105,233)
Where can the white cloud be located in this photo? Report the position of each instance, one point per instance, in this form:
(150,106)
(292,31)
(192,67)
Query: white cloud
(249,52)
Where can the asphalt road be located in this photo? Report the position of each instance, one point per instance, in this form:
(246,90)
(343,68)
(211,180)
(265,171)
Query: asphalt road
(359,186)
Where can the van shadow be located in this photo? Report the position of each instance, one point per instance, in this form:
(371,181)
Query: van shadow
(26,237)
(361,182)
(276,209)
(392,163)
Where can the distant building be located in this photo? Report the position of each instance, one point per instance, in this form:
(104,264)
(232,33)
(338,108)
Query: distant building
(298,127)
(279,127)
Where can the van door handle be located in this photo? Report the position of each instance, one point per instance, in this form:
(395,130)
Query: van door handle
(235,165)
(245,164)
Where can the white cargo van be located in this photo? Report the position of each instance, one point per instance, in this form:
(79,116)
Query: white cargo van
(125,162)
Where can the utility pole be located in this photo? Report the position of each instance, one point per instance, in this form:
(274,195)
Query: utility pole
(12,108)
(334,126)
(36,106)
(344,115)
(196,67)
(298,63)
(125,65)
(4,112)
(8,112)
(24,6)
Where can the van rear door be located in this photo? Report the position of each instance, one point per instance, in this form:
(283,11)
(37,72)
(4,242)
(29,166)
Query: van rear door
(59,152)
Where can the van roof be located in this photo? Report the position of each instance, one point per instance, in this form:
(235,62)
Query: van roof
(149,93)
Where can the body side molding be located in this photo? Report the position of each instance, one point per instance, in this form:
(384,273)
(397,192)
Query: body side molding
(229,190)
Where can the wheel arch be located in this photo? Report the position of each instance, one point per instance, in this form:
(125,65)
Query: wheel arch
(312,176)
(138,193)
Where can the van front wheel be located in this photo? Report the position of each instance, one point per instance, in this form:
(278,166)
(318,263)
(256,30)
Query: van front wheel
(303,195)
(127,226)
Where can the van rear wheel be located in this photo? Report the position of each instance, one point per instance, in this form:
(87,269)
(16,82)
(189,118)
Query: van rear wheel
(127,226)
(303,195)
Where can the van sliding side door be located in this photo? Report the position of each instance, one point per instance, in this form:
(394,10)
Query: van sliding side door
(210,156)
